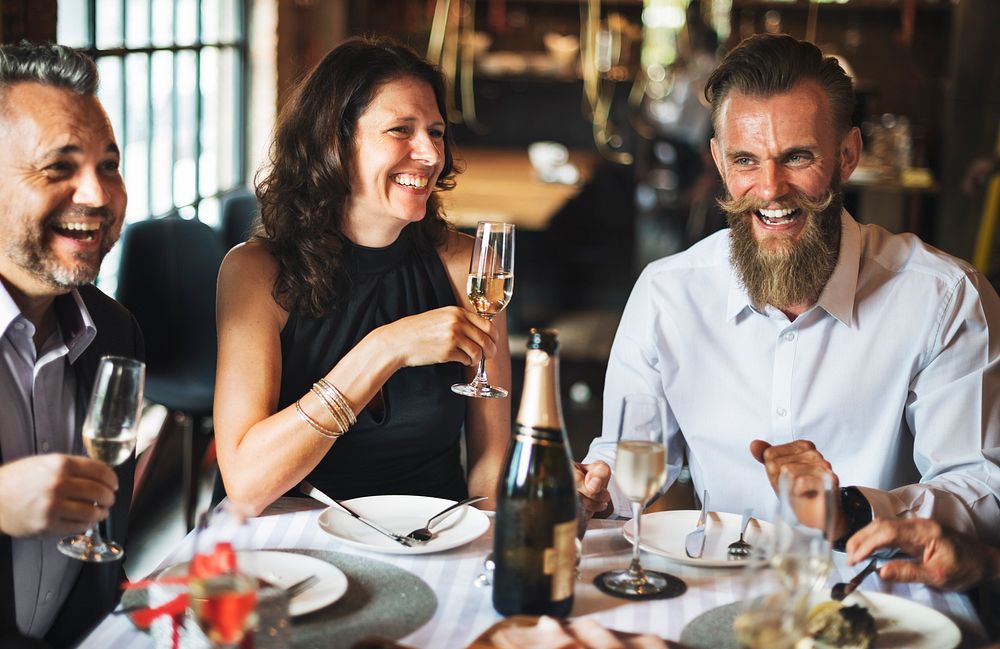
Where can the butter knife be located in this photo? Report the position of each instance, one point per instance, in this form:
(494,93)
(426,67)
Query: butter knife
(313,492)
(694,544)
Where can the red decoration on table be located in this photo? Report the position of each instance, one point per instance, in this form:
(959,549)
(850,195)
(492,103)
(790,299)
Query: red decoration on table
(225,612)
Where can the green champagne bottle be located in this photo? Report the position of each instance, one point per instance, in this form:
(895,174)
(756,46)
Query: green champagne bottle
(534,545)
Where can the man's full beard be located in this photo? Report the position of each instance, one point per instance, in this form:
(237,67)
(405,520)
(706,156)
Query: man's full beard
(780,272)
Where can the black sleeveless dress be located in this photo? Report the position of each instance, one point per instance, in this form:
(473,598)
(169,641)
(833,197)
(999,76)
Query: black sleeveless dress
(412,446)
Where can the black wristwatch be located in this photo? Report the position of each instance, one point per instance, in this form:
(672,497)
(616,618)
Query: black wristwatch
(857,513)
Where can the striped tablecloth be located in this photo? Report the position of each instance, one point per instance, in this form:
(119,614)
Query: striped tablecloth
(465,610)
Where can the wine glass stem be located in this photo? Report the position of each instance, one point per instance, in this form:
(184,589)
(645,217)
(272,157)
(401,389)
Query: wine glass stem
(481,378)
(634,568)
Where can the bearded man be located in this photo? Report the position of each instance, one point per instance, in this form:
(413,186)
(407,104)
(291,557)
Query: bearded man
(799,340)
(62,207)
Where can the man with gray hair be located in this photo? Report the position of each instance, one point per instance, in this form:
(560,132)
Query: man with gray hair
(62,204)
(801,341)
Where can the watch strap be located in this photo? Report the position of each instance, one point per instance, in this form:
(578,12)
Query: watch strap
(857,513)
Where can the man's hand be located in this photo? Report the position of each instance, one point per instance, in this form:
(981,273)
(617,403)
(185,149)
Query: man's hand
(944,558)
(54,494)
(592,489)
(804,465)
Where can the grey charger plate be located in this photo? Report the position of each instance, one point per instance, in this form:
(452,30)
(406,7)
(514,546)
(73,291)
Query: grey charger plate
(381,600)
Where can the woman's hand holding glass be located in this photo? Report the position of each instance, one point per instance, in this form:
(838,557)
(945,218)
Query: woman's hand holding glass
(448,334)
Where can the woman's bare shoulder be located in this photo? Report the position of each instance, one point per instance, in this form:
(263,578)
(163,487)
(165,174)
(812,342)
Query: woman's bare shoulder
(455,251)
(246,281)
(251,260)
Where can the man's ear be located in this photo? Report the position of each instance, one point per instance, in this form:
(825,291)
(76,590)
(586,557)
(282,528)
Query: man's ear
(850,153)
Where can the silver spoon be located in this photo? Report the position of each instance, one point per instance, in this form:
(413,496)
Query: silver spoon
(424,534)
(739,550)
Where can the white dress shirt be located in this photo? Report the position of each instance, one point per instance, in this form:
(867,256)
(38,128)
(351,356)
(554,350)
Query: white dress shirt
(38,416)
(893,374)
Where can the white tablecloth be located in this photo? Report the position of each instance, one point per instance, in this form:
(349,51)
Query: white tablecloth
(464,611)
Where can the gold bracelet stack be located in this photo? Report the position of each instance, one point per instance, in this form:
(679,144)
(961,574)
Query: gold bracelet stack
(336,403)
(315,425)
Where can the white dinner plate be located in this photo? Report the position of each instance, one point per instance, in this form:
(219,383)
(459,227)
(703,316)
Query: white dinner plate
(900,623)
(401,514)
(663,533)
(905,624)
(284,569)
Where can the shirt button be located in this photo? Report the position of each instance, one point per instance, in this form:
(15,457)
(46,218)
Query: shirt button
(19,326)
(48,595)
(789,337)
(45,447)
(781,412)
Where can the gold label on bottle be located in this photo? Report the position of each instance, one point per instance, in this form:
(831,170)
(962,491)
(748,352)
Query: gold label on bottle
(560,560)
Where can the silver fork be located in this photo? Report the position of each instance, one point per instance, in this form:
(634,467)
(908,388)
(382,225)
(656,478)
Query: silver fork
(424,534)
(297,588)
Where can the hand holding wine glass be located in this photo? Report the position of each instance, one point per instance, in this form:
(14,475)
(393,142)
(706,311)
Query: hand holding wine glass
(490,286)
(640,471)
(109,435)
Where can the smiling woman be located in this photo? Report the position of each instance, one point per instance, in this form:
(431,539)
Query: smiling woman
(344,320)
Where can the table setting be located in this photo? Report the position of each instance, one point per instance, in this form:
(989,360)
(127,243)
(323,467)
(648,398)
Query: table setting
(437,598)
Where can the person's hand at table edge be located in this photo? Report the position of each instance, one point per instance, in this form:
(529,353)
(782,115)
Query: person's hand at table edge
(593,496)
(942,558)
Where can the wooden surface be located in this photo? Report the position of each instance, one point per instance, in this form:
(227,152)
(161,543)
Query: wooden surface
(501,185)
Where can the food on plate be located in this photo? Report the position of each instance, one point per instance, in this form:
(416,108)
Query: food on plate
(550,633)
(835,626)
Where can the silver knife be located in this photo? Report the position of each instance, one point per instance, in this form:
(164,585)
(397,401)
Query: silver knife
(313,492)
(694,544)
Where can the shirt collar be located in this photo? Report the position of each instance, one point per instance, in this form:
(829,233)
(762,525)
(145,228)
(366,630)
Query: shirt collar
(837,297)
(75,324)
(8,310)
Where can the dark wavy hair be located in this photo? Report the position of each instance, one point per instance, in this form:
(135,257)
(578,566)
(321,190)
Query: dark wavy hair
(769,64)
(304,188)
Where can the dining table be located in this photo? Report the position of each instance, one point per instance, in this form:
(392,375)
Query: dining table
(463,609)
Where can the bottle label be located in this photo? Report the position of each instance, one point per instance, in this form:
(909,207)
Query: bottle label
(560,560)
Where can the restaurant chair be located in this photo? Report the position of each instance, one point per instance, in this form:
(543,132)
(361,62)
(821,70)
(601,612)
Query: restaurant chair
(167,276)
(239,214)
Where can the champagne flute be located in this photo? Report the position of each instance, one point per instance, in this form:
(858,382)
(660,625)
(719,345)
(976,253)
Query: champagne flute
(801,553)
(640,471)
(489,287)
(223,600)
(109,434)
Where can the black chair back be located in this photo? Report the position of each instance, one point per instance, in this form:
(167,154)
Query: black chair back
(239,214)
(167,276)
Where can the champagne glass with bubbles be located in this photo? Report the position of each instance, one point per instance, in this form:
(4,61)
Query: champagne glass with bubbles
(798,553)
(640,471)
(489,287)
(110,430)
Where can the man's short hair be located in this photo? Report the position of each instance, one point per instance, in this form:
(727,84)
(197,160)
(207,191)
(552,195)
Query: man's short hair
(764,65)
(53,65)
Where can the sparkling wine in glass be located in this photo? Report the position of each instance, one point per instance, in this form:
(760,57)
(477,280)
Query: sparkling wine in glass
(803,530)
(640,471)
(489,287)
(109,435)
(223,600)
(224,606)
(801,552)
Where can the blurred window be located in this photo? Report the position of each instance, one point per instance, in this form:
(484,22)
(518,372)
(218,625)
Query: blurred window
(173,80)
